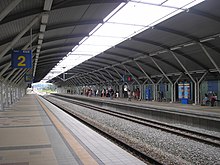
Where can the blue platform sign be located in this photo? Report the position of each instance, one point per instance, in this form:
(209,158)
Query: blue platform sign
(28,77)
(21,59)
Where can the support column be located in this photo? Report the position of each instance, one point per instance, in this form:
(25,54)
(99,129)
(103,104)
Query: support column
(174,87)
(6,95)
(198,85)
(156,87)
(195,84)
(1,96)
(164,76)
(143,85)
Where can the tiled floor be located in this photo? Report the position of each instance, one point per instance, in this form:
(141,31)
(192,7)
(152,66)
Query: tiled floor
(32,135)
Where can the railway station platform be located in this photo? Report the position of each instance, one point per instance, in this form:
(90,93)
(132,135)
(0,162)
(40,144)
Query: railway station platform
(190,108)
(35,132)
(182,115)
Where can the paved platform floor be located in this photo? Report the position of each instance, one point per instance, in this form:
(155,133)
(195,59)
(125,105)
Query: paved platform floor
(34,132)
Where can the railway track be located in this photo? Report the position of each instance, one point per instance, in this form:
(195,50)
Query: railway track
(124,142)
(191,134)
(142,156)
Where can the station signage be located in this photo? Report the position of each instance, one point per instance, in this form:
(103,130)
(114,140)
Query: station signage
(21,59)
(28,77)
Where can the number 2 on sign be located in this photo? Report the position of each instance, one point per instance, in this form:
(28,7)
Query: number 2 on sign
(22,61)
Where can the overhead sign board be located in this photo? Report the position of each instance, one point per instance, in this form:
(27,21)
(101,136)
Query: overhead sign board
(21,59)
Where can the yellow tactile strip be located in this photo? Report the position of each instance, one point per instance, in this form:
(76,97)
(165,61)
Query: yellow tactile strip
(83,155)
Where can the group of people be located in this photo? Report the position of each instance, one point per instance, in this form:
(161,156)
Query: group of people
(209,99)
(135,94)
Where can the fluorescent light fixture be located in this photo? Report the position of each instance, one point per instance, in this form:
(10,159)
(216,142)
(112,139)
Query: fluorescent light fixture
(114,11)
(42,28)
(96,28)
(156,2)
(38,46)
(83,40)
(163,51)
(207,39)
(44,18)
(47,5)
(175,48)
(125,21)
(75,48)
(195,2)
(189,44)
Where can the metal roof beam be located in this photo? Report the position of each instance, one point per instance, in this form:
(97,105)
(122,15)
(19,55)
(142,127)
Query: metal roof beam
(64,37)
(8,9)
(148,54)
(111,76)
(186,35)
(60,46)
(55,27)
(69,3)
(131,75)
(210,57)
(18,37)
(204,14)
(148,76)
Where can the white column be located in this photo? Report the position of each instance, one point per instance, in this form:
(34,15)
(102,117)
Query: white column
(1,97)
(6,95)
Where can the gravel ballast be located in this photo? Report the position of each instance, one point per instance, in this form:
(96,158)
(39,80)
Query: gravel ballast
(181,150)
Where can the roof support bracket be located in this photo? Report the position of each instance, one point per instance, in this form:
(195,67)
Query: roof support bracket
(210,57)
(111,76)
(174,86)
(164,76)
(117,72)
(144,72)
(195,83)
(132,75)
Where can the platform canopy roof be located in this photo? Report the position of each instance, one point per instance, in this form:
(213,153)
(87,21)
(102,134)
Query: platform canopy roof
(94,41)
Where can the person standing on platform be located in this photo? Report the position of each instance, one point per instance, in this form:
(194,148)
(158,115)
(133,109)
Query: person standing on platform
(111,93)
(213,99)
(138,94)
(205,100)
(129,95)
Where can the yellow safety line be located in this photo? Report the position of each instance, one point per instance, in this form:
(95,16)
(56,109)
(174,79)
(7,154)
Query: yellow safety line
(84,156)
